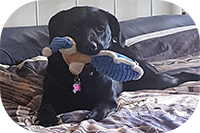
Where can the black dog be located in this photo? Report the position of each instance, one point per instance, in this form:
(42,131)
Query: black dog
(93,30)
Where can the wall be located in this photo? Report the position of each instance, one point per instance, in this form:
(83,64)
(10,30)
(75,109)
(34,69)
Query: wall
(125,9)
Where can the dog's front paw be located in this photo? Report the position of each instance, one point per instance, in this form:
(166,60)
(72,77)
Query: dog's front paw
(47,116)
(98,113)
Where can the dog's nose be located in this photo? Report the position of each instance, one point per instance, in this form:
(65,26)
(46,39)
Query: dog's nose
(93,46)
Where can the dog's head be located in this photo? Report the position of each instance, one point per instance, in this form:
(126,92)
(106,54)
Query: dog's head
(93,29)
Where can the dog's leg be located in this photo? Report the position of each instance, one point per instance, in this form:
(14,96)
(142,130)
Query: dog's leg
(152,79)
(108,101)
(185,77)
(101,110)
(47,116)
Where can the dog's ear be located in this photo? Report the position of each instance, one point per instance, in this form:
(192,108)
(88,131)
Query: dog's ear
(56,26)
(117,36)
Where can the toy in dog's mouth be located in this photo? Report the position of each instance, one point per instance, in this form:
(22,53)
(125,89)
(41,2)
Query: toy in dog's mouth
(114,65)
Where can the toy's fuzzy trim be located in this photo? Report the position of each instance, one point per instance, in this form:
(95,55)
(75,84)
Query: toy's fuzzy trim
(134,64)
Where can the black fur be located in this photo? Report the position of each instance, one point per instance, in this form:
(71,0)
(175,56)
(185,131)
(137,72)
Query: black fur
(93,30)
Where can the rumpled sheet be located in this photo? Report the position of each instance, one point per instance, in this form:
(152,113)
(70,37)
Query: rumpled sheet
(146,111)
(139,112)
(21,89)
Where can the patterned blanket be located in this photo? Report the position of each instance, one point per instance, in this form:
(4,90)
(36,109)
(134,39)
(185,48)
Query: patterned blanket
(145,111)
(21,89)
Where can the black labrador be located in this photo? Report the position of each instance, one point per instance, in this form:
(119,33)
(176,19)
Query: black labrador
(93,30)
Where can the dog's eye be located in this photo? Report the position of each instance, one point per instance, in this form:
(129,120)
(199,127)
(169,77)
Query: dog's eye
(91,73)
(100,29)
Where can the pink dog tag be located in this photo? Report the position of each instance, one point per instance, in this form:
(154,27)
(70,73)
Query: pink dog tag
(77,84)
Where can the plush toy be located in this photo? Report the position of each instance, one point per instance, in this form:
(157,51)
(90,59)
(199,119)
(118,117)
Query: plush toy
(72,57)
(109,63)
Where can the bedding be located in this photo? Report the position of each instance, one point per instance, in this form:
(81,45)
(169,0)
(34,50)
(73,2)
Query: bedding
(140,111)
(169,47)
(144,25)
(27,41)
(145,111)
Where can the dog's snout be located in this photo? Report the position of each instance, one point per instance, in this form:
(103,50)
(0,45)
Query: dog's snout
(92,43)
(91,46)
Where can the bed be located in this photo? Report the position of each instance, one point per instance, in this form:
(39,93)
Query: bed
(170,43)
